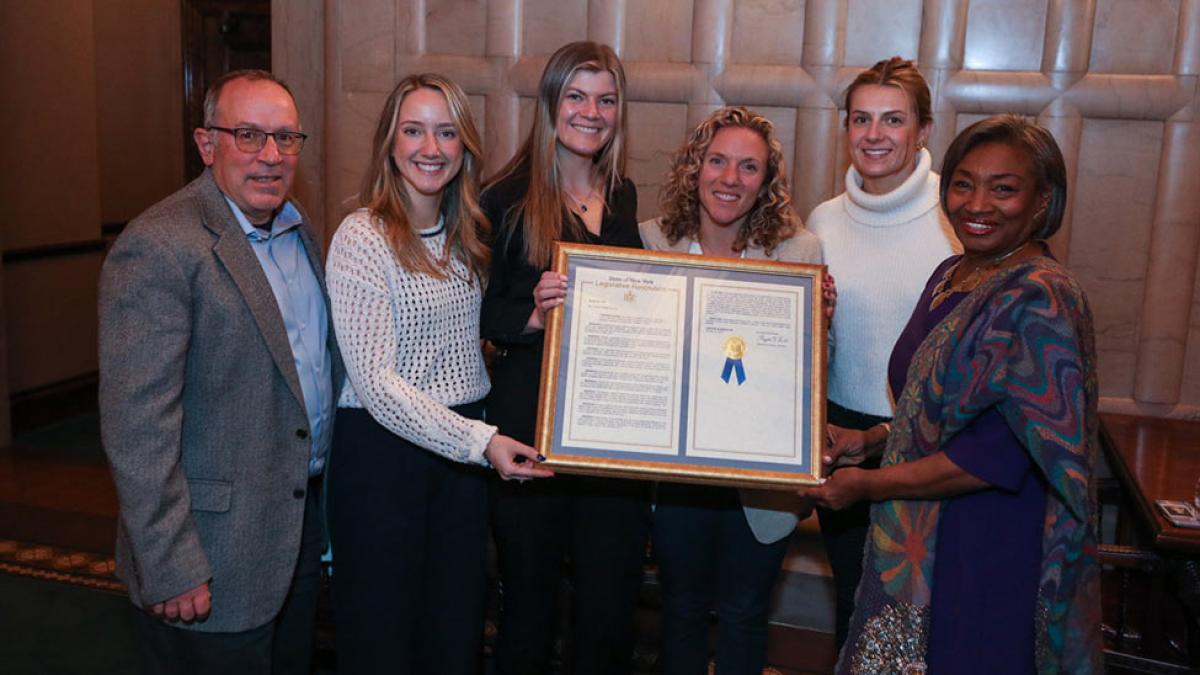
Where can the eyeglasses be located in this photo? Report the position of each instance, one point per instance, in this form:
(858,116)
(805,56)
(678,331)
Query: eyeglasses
(253,140)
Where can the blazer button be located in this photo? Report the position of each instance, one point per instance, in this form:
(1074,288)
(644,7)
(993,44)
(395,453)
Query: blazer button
(302,434)
(298,493)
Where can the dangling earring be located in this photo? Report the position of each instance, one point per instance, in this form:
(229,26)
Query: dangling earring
(1040,215)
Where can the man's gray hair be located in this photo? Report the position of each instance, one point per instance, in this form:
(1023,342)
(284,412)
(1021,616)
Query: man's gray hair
(212,97)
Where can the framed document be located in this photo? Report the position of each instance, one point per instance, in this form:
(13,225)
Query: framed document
(669,366)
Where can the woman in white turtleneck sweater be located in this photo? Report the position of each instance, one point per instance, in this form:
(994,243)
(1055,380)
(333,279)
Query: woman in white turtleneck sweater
(881,239)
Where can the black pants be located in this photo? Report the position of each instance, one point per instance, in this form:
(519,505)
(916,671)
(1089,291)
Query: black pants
(409,534)
(845,531)
(708,556)
(283,646)
(602,524)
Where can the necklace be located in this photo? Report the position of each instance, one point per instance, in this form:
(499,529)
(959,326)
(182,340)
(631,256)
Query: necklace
(946,287)
(581,203)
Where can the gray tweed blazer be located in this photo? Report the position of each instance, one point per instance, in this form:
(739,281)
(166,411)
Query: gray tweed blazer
(202,415)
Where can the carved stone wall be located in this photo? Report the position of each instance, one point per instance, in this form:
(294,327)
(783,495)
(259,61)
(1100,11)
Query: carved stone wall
(1114,80)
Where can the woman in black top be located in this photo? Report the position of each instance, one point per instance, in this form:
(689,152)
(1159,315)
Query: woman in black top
(566,183)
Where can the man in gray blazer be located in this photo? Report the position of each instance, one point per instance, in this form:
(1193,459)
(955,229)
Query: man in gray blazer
(218,380)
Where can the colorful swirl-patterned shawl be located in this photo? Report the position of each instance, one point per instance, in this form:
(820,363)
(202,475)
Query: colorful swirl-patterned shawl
(1022,342)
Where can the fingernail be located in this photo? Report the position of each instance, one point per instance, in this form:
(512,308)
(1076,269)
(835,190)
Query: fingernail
(541,458)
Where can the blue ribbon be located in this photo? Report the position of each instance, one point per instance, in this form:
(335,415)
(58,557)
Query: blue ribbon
(734,366)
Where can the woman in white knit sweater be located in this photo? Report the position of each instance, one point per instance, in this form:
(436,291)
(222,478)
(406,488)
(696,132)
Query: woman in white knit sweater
(881,238)
(407,488)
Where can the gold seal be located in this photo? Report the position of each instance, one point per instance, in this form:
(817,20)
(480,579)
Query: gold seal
(734,347)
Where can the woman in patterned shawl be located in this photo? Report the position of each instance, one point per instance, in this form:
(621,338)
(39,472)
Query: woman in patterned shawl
(981,555)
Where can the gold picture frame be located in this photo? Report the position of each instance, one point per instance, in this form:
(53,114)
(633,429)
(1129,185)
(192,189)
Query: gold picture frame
(686,368)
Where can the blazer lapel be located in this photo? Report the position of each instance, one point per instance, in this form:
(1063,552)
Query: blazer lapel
(682,246)
(756,253)
(234,252)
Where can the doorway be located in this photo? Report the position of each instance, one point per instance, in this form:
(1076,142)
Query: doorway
(218,36)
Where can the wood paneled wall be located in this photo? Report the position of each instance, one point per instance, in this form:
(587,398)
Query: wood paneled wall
(92,119)
(1114,80)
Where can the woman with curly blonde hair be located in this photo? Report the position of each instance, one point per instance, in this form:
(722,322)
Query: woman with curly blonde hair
(768,221)
(726,195)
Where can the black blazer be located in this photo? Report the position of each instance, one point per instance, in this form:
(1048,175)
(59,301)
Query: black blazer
(508,300)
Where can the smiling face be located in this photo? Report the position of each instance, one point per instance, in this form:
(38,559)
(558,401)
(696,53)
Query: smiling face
(426,149)
(258,182)
(587,112)
(731,177)
(884,135)
(993,200)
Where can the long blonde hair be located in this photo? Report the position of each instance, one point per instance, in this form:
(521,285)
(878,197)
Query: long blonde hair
(542,209)
(770,221)
(383,190)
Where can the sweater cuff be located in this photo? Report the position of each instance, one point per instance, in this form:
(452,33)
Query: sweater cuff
(480,434)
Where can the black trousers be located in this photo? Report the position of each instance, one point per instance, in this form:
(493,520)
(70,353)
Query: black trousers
(283,646)
(845,532)
(602,525)
(708,556)
(409,535)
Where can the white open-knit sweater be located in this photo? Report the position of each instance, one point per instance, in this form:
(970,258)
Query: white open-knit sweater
(881,250)
(410,341)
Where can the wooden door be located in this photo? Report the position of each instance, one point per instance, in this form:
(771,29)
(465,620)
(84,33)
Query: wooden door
(218,36)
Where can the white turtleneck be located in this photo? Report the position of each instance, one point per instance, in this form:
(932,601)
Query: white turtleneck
(881,249)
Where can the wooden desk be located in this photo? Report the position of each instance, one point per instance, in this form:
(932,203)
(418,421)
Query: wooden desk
(1156,459)
(1152,459)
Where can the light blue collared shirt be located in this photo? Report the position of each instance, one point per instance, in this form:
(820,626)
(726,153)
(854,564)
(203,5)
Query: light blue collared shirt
(298,294)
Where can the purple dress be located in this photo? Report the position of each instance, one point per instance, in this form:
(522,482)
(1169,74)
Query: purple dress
(989,543)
